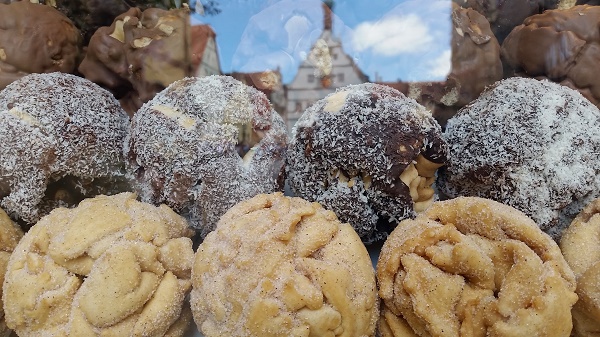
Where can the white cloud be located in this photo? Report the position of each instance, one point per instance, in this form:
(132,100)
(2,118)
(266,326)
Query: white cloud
(441,65)
(393,35)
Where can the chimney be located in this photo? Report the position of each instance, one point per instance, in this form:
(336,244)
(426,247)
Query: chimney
(327,8)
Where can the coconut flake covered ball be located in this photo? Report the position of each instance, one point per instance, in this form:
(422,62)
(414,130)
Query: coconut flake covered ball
(61,140)
(368,153)
(10,234)
(531,144)
(112,266)
(182,148)
(281,266)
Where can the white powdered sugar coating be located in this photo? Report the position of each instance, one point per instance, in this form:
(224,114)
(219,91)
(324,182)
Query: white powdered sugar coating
(534,145)
(54,126)
(368,133)
(182,148)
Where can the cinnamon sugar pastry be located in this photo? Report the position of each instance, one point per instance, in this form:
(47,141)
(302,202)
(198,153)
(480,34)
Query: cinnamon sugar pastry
(281,266)
(580,245)
(10,234)
(473,267)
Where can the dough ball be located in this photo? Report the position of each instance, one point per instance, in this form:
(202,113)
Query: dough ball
(112,266)
(530,144)
(10,234)
(473,267)
(560,45)
(281,266)
(36,39)
(580,245)
(182,148)
(140,54)
(61,140)
(368,153)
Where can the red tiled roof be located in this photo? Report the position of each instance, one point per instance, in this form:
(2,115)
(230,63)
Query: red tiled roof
(199,35)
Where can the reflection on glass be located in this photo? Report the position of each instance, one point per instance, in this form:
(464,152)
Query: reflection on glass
(314,47)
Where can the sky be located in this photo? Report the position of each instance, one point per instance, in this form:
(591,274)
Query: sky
(389,40)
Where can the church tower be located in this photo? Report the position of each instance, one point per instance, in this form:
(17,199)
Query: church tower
(326,68)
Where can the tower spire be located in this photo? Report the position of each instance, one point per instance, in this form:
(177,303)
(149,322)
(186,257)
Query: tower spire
(327,19)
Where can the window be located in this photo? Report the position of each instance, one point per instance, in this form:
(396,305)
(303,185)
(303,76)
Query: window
(311,78)
(298,106)
(340,77)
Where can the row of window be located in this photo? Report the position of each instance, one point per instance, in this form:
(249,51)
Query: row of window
(339,77)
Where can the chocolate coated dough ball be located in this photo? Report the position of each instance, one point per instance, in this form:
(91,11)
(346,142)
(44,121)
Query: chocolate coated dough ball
(61,140)
(560,45)
(368,153)
(504,15)
(475,65)
(473,267)
(140,54)
(112,266)
(281,266)
(10,234)
(35,39)
(580,245)
(182,148)
(530,144)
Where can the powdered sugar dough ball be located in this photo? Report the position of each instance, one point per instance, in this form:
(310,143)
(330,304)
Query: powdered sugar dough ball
(530,144)
(368,153)
(61,140)
(182,148)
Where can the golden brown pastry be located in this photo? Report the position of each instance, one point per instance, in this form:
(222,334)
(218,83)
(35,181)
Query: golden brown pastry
(580,245)
(473,267)
(112,266)
(10,234)
(281,266)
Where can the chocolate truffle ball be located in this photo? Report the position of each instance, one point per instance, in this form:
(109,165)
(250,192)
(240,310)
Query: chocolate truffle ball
(281,266)
(61,140)
(530,144)
(504,15)
(35,39)
(560,45)
(182,148)
(368,153)
(475,65)
(140,54)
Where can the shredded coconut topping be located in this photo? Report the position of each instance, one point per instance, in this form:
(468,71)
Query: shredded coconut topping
(182,148)
(57,126)
(534,145)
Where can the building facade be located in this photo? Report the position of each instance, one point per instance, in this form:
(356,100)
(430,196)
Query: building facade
(326,68)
